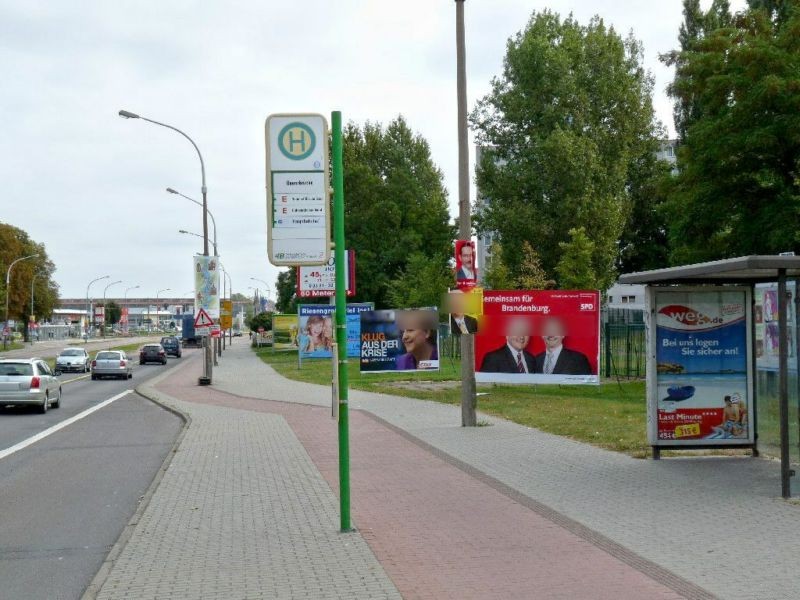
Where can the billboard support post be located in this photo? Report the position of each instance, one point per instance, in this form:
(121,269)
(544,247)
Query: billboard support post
(341,320)
(783,384)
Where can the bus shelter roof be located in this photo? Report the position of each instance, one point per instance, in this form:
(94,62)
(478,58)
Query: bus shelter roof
(744,269)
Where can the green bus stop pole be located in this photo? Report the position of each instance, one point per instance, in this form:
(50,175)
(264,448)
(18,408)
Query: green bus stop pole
(341,319)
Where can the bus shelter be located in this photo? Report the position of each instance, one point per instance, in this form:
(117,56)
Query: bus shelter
(711,327)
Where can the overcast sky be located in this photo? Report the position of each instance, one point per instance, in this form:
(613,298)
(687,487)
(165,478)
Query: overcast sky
(91,185)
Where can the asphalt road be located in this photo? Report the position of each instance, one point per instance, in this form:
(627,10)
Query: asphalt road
(65,499)
(51,348)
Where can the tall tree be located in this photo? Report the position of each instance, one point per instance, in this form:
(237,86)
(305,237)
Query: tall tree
(396,209)
(562,124)
(286,289)
(112,312)
(738,188)
(696,25)
(15,243)
(574,268)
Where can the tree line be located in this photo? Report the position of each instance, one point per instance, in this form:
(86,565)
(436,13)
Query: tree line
(569,184)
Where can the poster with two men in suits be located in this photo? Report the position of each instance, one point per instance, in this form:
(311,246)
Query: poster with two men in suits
(539,336)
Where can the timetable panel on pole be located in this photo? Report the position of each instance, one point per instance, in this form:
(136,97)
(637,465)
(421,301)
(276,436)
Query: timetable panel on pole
(298,206)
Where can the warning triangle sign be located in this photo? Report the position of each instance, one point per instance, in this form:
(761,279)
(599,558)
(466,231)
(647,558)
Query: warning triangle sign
(202,319)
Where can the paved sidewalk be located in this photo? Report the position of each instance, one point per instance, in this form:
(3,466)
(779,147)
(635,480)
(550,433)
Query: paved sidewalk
(241,512)
(715,522)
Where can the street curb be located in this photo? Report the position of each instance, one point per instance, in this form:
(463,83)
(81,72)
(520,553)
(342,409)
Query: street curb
(148,391)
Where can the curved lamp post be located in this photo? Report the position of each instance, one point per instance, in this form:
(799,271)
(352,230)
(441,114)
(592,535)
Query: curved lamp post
(210,214)
(104,302)
(89,305)
(8,291)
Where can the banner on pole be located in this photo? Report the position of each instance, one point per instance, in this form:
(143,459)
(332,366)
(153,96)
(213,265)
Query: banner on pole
(206,285)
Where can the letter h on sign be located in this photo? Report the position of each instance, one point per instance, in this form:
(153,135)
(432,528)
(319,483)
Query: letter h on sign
(301,141)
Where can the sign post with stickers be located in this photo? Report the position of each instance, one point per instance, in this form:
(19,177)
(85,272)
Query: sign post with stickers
(299,233)
(298,213)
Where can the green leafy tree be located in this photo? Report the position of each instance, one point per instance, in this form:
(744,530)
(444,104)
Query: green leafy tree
(396,210)
(574,268)
(737,191)
(531,274)
(15,243)
(421,283)
(263,319)
(696,25)
(496,274)
(113,312)
(561,126)
(286,286)
(644,243)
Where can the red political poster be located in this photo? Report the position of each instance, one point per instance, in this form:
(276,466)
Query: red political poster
(466,270)
(539,336)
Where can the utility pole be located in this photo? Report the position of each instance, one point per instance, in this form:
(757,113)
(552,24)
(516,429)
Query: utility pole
(468,391)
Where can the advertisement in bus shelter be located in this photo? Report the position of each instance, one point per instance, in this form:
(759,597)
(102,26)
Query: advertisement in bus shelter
(400,340)
(284,332)
(539,336)
(700,394)
(316,329)
(766,326)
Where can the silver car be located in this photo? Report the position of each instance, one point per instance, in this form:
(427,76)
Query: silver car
(112,363)
(73,359)
(29,381)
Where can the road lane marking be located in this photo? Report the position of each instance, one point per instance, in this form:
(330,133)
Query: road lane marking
(51,430)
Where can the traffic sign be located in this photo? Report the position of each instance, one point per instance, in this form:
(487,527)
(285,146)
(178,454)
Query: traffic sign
(298,179)
(226,314)
(215,332)
(202,319)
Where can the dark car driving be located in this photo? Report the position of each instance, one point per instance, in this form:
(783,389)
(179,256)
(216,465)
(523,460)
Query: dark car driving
(152,353)
(172,346)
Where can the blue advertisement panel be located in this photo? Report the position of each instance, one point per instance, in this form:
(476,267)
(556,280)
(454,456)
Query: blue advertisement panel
(400,340)
(702,388)
(315,323)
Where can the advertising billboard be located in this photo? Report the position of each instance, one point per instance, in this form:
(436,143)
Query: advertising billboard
(539,336)
(766,326)
(316,326)
(206,285)
(320,281)
(284,332)
(699,391)
(400,340)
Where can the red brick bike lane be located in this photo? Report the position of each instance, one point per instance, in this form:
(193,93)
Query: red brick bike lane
(438,531)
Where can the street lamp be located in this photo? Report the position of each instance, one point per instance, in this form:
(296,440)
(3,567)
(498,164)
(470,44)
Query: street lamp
(200,236)
(206,378)
(89,305)
(104,303)
(129,115)
(8,294)
(213,220)
(148,304)
(125,302)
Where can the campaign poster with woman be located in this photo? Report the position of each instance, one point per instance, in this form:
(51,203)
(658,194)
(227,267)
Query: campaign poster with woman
(400,340)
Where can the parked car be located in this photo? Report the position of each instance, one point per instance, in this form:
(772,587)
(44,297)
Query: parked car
(171,346)
(237,333)
(112,363)
(29,381)
(73,359)
(152,353)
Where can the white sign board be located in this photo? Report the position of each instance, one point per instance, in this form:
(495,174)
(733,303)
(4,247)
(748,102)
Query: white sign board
(298,206)
(320,281)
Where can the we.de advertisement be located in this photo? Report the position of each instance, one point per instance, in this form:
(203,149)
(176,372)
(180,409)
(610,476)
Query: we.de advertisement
(702,395)
(539,336)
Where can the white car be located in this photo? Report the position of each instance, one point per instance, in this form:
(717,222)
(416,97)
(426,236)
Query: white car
(112,363)
(29,381)
(73,359)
